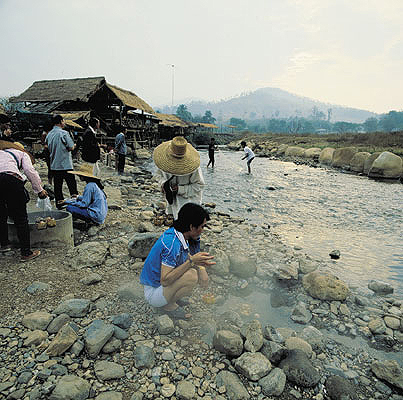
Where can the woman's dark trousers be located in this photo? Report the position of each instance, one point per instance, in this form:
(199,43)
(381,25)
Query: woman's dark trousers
(13,204)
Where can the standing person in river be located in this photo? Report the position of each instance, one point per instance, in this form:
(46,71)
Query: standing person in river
(91,152)
(175,263)
(211,149)
(14,197)
(249,154)
(121,150)
(179,173)
(60,146)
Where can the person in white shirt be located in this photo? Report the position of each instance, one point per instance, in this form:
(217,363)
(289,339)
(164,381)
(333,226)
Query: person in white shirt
(249,154)
(179,174)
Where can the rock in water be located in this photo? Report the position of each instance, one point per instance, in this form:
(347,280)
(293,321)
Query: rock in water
(325,286)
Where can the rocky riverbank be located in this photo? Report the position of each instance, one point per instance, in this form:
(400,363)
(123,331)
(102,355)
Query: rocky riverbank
(74,324)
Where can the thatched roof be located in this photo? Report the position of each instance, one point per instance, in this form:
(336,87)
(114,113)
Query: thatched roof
(171,120)
(2,110)
(130,99)
(61,90)
(73,116)
(55,92)
(204,125)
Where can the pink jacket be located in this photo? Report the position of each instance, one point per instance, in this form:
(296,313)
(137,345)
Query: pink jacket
(9,165)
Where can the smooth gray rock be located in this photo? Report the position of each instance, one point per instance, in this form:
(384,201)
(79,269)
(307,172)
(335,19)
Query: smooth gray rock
(37,286)
(57,323)
(96,335)
(301,314)
(389,371)
(339,388)
(141,243)
(164,324)
(74,308)
(228,343)
(144,357)
(132,291)
(91,279)
(112,345)
(235,389)
(299,369)
(120,333)
(314,337)
(185,390)
(253,365)
(71,387)
(107,370)
(123,320)
(109,396)
(273,351)
(274,383)
(37,320)
(380,288)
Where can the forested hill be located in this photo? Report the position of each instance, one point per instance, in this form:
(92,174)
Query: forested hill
(276,103)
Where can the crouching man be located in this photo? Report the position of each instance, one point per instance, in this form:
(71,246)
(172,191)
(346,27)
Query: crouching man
(175,264)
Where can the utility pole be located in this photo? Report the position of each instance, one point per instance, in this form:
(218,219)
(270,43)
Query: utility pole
(173,84)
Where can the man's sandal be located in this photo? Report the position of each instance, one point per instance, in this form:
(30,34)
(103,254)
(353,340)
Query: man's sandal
(178,313)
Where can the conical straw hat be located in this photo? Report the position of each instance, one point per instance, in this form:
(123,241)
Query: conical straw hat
(177,157)
(85,170)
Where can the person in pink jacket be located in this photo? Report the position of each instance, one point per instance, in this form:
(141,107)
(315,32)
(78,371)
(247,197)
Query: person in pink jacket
(14,197)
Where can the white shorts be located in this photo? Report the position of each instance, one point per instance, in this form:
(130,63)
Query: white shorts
(155,296)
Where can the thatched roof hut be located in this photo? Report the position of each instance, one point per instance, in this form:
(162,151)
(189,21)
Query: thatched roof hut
(3,115)
(171,120)
(49,95)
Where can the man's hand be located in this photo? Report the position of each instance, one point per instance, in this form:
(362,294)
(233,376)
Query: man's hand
(202,258)
(43,194)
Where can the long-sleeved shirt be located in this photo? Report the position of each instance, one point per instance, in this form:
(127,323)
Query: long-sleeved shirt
(94,200)
(120,144)
(190,189)
(60,143)
(9,165)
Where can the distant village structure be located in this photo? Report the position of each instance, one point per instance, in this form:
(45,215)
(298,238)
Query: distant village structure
(79,99)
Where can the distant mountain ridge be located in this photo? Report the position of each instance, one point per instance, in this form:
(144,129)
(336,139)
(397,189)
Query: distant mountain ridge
(266,103)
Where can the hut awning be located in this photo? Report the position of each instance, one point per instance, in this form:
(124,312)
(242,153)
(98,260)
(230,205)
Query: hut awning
(130,99)
(204,125)
(171,120)
(60,90)
(73,116)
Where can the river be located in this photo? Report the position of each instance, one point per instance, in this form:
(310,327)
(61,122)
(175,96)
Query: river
(316,210)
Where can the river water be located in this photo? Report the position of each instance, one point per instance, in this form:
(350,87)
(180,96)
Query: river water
(316,210)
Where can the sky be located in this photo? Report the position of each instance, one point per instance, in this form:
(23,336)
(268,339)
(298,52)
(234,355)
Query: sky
(345,52)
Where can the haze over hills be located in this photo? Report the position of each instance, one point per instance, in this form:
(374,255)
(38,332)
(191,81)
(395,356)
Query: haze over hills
(272,103)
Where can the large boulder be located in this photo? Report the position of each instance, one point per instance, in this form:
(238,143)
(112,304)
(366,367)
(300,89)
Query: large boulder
(221,266)
(242,266)
(75,308)
(339,388)
(281,149)
(294,151)
(313,152)
(88,255)
(387,165)
(342,157)
(228,342)
(358,161)
(37,320)
(369,161)
(253,334)
(141,243)
(325,286)
(96,335)
(253,365)
(326,155)
(71,387)
(389,371)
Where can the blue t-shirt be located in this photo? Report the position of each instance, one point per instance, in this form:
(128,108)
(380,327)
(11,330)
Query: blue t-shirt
(170,249)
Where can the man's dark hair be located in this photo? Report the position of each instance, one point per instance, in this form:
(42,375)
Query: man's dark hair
(212,139)
(93,122)
(243,143)
(190,214)
(57,119)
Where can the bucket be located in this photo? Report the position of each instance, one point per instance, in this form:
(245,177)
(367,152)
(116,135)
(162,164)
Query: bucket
(60,235)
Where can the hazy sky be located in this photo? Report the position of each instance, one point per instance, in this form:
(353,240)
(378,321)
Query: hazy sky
(347,52)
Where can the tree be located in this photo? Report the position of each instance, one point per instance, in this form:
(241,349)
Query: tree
(371,125)
(183,113)
(391,121)
(238,122)
(208,118)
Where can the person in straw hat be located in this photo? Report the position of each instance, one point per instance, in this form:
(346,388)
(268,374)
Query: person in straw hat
(14,196)
(179,173)
(92,205)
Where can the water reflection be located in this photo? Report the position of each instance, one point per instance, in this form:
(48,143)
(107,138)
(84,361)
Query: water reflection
(317,210)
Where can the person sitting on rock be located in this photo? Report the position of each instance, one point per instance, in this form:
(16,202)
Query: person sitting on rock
(92,206)
(175,263)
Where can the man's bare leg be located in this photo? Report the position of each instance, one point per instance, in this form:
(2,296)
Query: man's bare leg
(181,288)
